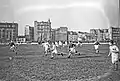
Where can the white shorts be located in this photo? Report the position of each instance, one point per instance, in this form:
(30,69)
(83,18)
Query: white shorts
(114,57)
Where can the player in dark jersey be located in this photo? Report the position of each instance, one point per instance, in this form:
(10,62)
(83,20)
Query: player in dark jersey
(71,48)
(12,46)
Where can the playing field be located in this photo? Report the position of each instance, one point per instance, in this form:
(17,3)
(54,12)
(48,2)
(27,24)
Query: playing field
(30,64)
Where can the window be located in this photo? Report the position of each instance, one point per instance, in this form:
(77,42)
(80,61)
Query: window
(13,26)
(14,31)
(41,27)
(38,28)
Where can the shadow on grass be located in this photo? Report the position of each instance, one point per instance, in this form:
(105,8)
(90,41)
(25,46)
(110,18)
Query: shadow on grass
(76,57)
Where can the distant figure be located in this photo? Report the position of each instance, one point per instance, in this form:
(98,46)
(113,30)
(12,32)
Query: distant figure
(96,45)
(80,43)
(53,50)
(66,43)
(60,44)
(10,58)
(114,51)
(56,43)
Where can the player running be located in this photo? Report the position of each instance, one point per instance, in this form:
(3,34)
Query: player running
(114,51)
(79,43)
(53,50)
(56,43)
(71,48)
(60,44)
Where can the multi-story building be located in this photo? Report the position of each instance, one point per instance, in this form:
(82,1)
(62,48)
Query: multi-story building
(42,30)
(94,34)
(99,34)
(8,31)
(72,36)
(114,33)
(53,34)
(29,33)
(21,39)
(84,36)
(61,34)
(106,35)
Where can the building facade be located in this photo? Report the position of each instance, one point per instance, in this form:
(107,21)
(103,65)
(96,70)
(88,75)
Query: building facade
(94,34)
(21,39)
(42,30)
(72,36)
(114,33)
(61,34)
(84,36)
(8,31)
(29,33)
(53,34)
(99,34)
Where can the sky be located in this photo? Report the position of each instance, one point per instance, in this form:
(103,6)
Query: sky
(77,15)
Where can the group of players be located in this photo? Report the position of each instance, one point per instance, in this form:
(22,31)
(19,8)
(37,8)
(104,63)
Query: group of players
(52,48)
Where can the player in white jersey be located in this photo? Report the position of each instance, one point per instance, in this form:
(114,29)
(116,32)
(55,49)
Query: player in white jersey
(60,44)
(53,50)
(46,46)
(64,44)
(114,51)
(96,46)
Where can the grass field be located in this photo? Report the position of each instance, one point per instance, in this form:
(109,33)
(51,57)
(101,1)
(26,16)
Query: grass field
(30,64)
